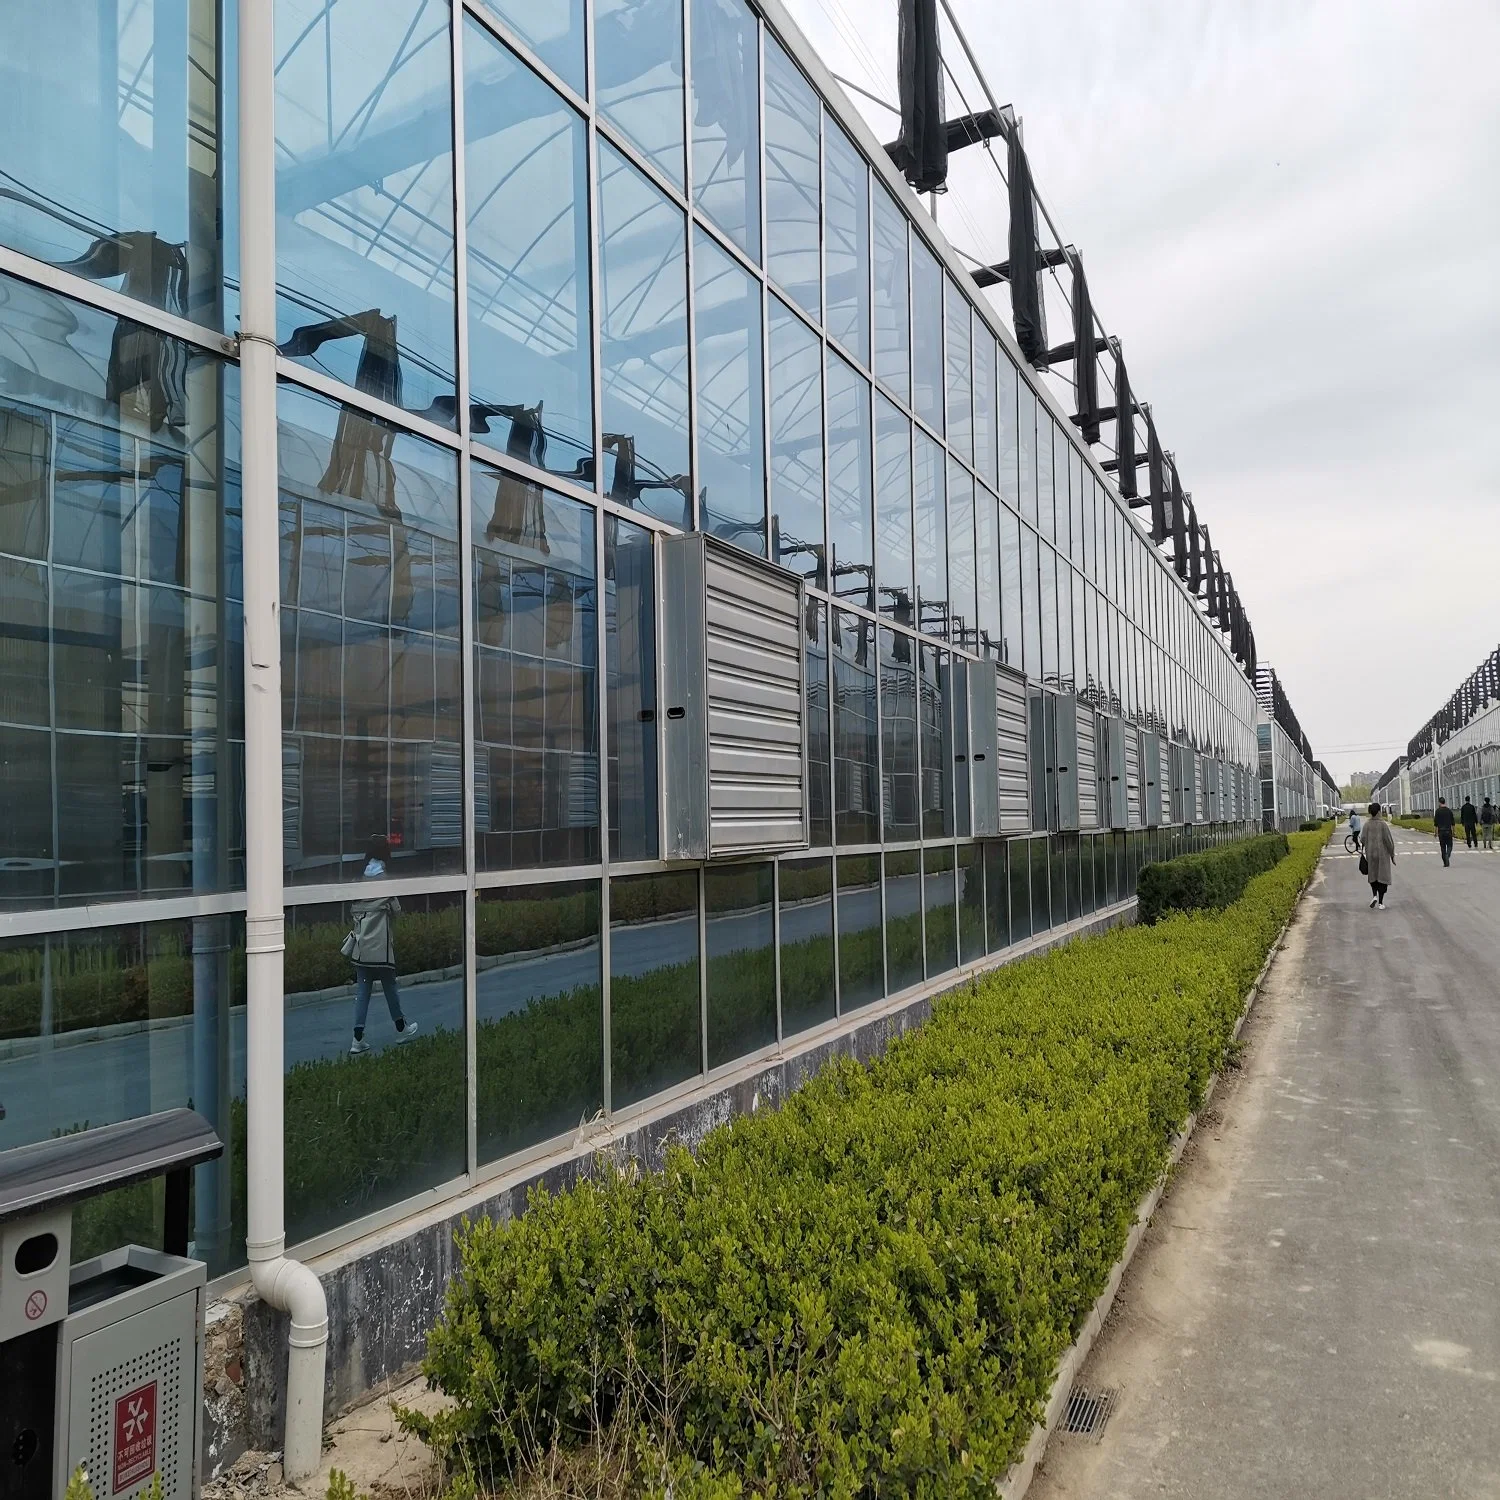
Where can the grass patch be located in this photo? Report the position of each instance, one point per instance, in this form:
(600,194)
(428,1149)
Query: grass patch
(865,1292)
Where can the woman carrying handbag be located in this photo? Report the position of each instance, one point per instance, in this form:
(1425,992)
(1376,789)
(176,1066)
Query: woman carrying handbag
(1377,859)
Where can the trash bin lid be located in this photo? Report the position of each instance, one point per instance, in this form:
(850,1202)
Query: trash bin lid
(48,1174)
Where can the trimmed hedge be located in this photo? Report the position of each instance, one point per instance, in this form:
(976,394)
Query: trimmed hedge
(865,1292)
(1208,881)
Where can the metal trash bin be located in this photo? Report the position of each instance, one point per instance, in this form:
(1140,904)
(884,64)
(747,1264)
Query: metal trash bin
(102,1362)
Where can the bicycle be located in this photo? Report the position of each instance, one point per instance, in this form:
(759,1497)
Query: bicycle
(1351,843)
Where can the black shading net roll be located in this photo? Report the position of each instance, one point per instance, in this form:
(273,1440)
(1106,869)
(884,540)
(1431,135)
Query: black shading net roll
(1085,359)
(1125,438)
(921,151)
(1028,312)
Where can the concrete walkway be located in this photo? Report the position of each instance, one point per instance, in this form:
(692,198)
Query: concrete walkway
(1315,1311)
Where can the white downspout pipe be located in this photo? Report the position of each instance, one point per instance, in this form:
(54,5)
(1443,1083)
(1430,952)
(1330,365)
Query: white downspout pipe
(284,1284)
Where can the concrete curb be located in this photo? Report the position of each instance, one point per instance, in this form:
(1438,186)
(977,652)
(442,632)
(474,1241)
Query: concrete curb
(1016,1483)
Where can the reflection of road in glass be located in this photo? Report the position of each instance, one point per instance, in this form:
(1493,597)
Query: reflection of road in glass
(117,1076)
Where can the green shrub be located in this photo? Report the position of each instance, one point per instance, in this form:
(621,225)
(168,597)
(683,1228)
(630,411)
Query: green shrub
(865,1292)
(1208,881)
(1312,825)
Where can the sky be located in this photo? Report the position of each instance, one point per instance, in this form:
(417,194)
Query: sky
(1290,214)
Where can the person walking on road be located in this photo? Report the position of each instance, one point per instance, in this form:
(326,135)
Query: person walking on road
(371,947)
(1379,847)
(1487,817)
(1442,820)
(1470,819)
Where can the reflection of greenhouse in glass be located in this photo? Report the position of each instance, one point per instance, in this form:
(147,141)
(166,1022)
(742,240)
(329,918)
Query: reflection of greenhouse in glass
(524,331)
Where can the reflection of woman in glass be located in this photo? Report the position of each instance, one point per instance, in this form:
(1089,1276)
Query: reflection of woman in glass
(374,951)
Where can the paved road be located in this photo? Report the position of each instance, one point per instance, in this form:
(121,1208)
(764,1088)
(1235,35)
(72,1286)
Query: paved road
(1316,1309)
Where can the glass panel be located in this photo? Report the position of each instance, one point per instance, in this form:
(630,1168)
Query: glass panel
(731,419)
(855,748)
(941,917)
(630,666)
(638,75)
(986,432)
(807,985)
(815,655)
(963,603)
(1019,851)
(110,138)
(927,335)
(970,903)
(848,200)
(893,534)
(898,728)
(1026,450)
(364,197)
(643,343)
(1046,522)
(1041,914)
(793,250)
(850,482)
(861,950)
(903,919)
(1057,863)
(1048,597)
(1031,615)
(1009,433)
(553,29)
(930,513)
(121,696)
(116,1022)
(741,960)
(1086,873)
(1073,869)
(374,1055)
(536,711)
(797,446)
(987,564)
(372,729)
(892,297)
(654,1004)
(1065,625)
(726,118)
(997,895)
(937,744)
(960,381)
(539,1034)
(1012,604)
(530,343)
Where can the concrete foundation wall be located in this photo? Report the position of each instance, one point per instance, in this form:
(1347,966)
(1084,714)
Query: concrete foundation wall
(386,1290)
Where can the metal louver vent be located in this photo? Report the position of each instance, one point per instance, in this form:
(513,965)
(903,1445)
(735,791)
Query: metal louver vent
(734,740)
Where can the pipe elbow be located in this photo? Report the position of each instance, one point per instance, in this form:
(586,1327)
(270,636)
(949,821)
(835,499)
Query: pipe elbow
(292,1287)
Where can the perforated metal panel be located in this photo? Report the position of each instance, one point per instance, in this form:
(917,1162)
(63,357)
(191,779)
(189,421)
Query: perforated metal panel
(1151,771)
(132,1389)
(734,753)
(1013,769)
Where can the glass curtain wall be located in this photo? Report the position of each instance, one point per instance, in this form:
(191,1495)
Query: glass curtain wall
(553,279)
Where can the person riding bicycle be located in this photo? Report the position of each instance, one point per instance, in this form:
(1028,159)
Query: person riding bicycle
(1354,827)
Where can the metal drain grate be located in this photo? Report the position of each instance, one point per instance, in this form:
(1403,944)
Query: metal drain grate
(1088,1411)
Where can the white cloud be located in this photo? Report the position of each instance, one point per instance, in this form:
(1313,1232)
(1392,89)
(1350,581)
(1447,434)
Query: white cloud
(1290,214)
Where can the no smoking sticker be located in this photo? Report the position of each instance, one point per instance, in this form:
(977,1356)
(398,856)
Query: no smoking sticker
(36,1305)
